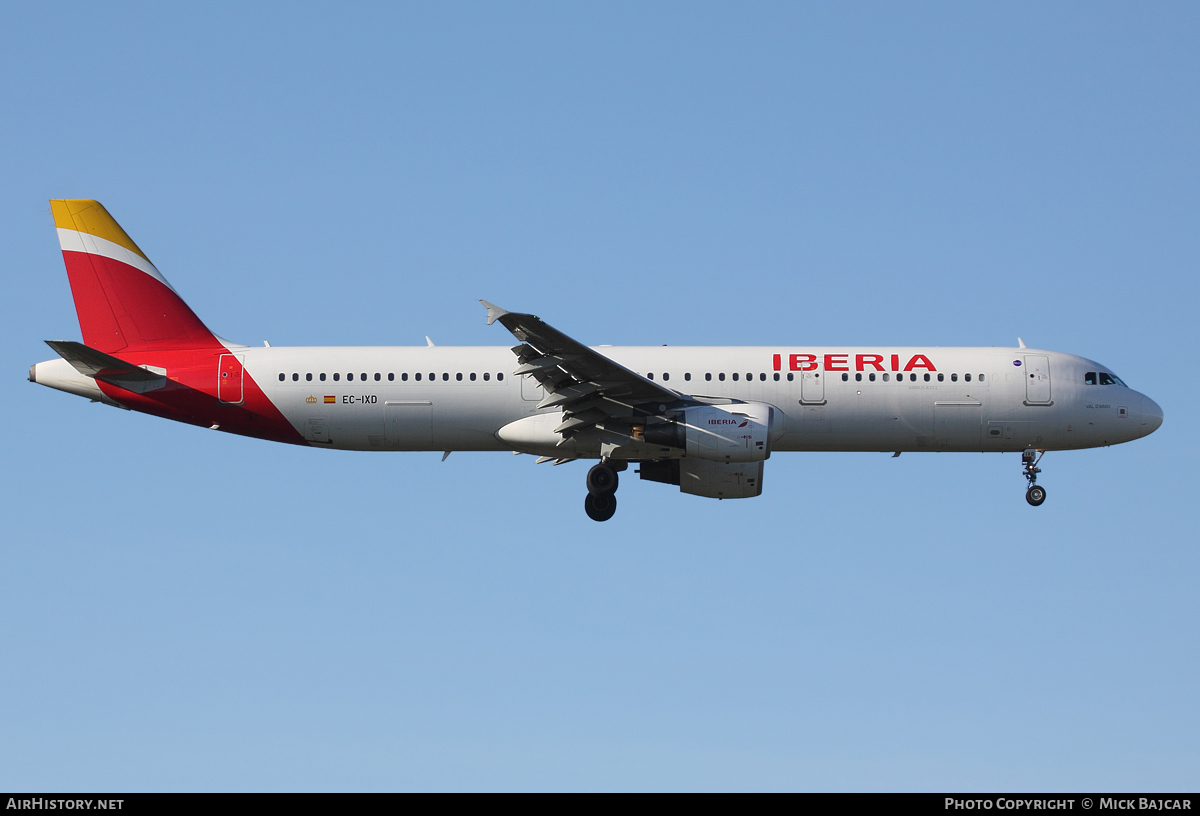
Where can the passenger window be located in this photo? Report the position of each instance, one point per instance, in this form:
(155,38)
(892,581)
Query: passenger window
(282,378)
(871,376)
(791,376)
(391,377)
(967,377)
(721,377)
(445,376)
(708,377)
(858,377)
(1106,379)
(377,377)
(845,378)
(308,377)
(666,376)
(981,378)
(735,376)
(458,376)
(363,377)
(687,376)
(953,378)
(417,376)
(885,377)
(349,377)
(487,375)
(472,376)
(776,376)
(295,378)
(404,377)
(749,378)
(912,377)
(322,376)
(762,377)
(941,377)
(336,376)
(926,378)
(1089,378)
(650,375)
(499,376)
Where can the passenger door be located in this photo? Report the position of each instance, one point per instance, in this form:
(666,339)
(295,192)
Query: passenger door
(229,379)
(1037,379)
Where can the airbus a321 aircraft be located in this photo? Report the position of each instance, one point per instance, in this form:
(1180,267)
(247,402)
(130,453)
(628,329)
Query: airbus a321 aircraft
(702,418)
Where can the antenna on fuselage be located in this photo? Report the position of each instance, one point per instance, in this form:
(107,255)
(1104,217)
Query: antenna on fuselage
(1021,343)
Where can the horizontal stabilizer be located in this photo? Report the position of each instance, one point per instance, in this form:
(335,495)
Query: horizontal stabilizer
(100,366)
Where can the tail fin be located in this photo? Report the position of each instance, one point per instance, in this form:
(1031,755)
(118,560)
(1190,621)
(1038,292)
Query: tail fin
(123,302)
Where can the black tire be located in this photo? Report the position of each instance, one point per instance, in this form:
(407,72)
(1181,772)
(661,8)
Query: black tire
(1035,495)
(600,508)
(602,480)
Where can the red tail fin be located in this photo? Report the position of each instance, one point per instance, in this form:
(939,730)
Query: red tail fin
(123,302)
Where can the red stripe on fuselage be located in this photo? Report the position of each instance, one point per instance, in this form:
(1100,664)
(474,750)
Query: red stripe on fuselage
(190,396)
(121,307)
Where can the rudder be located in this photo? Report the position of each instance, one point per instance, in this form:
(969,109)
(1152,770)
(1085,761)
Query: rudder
(123,302)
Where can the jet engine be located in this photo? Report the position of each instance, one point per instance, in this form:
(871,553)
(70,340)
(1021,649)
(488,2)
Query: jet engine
(740,432)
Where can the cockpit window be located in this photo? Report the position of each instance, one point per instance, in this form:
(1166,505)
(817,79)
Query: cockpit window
(1089,378)
(1110,379)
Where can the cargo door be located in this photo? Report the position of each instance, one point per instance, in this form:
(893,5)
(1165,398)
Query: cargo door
(409,424)
(229,379)
(1037,379)
(958,424)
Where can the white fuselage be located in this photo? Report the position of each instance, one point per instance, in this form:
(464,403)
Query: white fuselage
(986,399)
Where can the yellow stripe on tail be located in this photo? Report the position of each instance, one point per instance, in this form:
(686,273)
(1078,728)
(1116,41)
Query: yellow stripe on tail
(85,215)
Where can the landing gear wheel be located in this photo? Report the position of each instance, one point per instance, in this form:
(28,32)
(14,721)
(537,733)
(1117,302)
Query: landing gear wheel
(602,480)
(600,508)
(1029,464)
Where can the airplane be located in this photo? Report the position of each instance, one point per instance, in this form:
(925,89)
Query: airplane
(704,419)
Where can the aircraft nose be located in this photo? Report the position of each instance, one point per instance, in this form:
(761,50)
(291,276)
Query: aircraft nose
(1152,416)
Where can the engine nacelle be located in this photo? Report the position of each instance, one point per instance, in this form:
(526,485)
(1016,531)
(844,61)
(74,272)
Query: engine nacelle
(713,480)
(718,433)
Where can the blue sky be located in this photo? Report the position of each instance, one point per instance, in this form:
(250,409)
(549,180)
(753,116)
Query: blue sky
(181,609)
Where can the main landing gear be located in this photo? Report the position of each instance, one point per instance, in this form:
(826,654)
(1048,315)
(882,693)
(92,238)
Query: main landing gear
(1035,495)
(602,482)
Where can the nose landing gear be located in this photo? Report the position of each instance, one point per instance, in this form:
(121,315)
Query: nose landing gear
(1035,495)
(602,481)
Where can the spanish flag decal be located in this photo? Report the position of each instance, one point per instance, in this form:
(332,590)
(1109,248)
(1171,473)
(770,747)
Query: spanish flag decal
(329,400)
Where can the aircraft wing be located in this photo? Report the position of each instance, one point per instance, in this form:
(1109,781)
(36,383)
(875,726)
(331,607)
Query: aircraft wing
(590,387)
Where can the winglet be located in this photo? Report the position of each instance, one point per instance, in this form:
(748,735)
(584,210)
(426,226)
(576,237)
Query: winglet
(1021,343)
(494,312)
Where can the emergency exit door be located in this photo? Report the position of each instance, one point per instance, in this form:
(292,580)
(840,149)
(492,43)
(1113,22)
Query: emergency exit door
(812,388)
